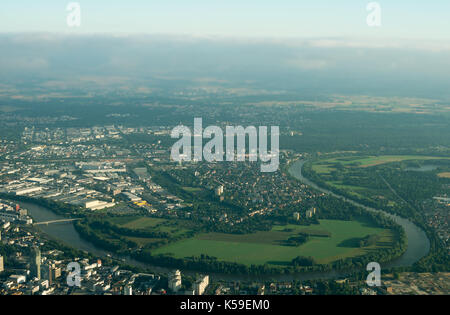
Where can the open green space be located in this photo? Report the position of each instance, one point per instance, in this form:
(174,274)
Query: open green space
(326,166)
(191,189)
(137,222)
(173,227)
(142,241)
(266,247)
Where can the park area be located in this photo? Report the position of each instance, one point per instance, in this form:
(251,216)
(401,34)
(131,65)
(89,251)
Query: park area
(329,241)
(326,166)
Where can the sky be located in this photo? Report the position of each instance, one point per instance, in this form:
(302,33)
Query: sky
(278,45)
(400,19)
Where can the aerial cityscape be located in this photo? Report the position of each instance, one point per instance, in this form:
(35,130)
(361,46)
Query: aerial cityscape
(203,165)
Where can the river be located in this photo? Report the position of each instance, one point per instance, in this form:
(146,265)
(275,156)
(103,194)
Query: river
(418,244)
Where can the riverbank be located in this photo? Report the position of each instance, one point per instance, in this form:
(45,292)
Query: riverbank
(418,242)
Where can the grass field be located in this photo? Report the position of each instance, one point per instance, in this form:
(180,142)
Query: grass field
(327,165)
(136,222)
(354,190)
(151,224)
(142,241)
(265,247)
(191,189)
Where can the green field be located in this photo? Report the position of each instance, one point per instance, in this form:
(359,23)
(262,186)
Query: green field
(327,165)
(358,177)
(265,247)
(191,189)
(174,228)
(136,222)
(142,241)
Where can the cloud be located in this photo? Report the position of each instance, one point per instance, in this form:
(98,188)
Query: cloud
(427,45)
(173,63)
(25,63)
(309,64)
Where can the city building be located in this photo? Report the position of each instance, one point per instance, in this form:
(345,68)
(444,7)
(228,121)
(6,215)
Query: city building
(128,290)
(219,190)
(98,204)
(36,263)
(27,191)
(174,280)
(9,216)
(201,284)
(47,273)
(18,279)
(131,197)
(2,267)
(309,213)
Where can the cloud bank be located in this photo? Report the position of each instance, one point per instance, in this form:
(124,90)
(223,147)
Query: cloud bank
(322,65)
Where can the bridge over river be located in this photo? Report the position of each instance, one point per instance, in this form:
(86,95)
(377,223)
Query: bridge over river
(56,221)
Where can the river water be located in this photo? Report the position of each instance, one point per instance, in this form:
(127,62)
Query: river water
(418,243)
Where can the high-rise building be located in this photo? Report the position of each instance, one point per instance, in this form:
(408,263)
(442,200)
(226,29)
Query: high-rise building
(128,290)
(175,280)
(36,262)
(219,190)
(56,272)
(201,284)
(47,273)
(309,213)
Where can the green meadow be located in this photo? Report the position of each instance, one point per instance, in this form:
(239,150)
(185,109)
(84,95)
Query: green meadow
(174,227)
(328,165)
(266,247)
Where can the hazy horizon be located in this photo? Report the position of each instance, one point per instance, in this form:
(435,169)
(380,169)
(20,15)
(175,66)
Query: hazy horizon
(286,18)
(42,62)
